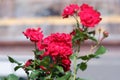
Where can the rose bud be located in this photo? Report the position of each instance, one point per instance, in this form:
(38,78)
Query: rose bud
(48,72)
(43,68)
(28,63)
(105,34)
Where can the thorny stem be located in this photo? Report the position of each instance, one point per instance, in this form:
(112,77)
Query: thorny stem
(75,61)
(95,46)
(35,56)
(98,43)
(75,17)
(76,51)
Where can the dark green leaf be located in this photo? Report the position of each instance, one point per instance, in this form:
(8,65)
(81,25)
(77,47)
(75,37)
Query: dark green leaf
(12,77)
(65,77)
(92,56)
(87,57)
(101,50)
(13,61)
(92,32)
(83,66)
(83,57)
(17,67)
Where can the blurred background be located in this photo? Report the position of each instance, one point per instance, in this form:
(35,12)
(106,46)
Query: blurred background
(17,15)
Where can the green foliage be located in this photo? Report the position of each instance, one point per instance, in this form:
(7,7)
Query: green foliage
(101,50)
(34,74)
(45,61)
(87,57)
(82,66)
(37,52)
(12,77)
(72,56)
(60,69)
(17,67)
(65,77)
(81,36)
(13,61)
(1,78)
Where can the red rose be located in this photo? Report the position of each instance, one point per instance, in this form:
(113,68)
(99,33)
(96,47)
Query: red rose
(40,45)
(59,47)
(66,64)
(34,35)
(88,16)
(43,68)
(70,10)
(86,7)
(58,44)
(28,63)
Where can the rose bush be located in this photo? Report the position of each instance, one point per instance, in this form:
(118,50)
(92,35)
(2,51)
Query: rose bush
(54,54)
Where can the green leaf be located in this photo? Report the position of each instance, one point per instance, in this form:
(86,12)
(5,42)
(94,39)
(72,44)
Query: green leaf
(75,38)
(72,56)
(92,56)
(83,57)
(101,50)
(92,38)
(13,61)
(83,66)
(92,32)
(87,57)
(34,74)
(12,77)
(79,36)
(17,67)
(65,77)
(29,68)
(60,68)
(37,52)
(46,61)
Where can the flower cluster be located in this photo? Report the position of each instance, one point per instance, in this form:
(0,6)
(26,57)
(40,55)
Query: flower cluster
(58,46)
(88,16)
(54,54)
